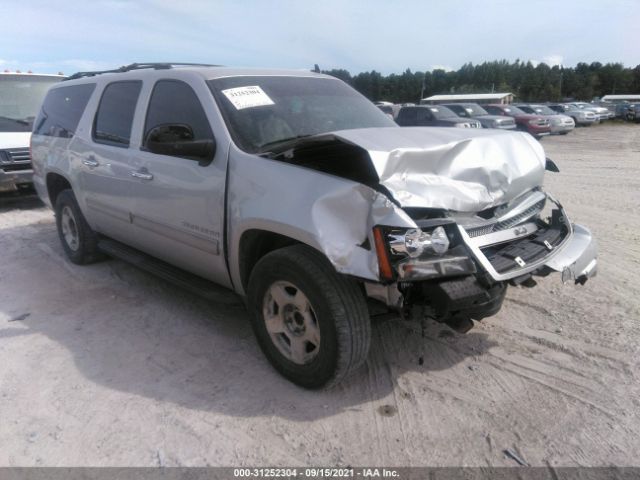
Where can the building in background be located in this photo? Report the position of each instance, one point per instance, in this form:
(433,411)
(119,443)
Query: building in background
(481,98)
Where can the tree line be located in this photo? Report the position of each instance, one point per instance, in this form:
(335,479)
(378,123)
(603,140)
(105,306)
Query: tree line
(528,82)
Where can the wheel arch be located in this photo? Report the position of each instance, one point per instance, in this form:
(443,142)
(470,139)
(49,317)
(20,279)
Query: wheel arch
(254,244)
(56,183)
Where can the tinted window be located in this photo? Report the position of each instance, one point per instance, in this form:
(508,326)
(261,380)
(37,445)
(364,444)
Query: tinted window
(174,102)
(459,110)
(62,109)
(424,115)
(408,116)
(441,112)
(115,114)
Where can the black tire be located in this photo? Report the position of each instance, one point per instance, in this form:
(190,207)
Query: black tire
(84,249)
(337,302)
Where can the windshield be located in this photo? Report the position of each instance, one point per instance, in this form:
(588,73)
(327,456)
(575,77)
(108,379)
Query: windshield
(475,110)
(511,110)
(264,111)
(441,112)
(543,110)
(20,99)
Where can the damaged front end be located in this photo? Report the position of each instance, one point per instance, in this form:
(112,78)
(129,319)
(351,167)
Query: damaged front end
(474,218)
(511,245)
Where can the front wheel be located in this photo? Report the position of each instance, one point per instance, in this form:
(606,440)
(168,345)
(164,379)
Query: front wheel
(311,322)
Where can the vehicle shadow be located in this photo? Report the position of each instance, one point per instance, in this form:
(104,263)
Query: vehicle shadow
(25,199)
(132,332)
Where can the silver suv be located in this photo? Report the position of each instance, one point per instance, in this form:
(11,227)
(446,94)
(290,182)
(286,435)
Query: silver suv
(297,193)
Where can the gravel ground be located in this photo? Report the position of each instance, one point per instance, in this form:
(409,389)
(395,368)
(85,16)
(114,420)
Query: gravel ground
(107,366)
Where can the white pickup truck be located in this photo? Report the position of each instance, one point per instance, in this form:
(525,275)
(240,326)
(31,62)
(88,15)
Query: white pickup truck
(20,97)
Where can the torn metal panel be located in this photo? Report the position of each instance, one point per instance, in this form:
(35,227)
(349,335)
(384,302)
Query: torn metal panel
(331,214)
(448,168)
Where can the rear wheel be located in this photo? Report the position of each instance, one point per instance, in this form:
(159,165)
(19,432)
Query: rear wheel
(79,242)
(311,322)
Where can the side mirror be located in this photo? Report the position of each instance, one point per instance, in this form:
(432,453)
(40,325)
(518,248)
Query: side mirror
(177,140)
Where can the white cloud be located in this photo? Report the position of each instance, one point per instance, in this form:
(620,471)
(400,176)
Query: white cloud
(553,59)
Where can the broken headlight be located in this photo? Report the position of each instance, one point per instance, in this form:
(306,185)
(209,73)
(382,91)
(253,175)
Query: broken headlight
(415,242)
(421,253)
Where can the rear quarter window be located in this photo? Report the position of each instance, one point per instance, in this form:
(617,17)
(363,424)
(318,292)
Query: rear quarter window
(62,109)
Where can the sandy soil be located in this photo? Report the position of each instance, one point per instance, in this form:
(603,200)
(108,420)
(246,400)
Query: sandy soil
(106,365)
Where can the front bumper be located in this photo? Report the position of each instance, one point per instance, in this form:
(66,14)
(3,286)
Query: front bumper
(578,260)
(539,131)
(587,121)
(558,129)
(11,179)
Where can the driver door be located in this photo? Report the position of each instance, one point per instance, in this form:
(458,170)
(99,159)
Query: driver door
(178,201)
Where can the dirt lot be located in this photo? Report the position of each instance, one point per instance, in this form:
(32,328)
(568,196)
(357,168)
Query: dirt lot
(106,365)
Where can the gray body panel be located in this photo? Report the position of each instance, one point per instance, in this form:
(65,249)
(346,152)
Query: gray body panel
(195,216)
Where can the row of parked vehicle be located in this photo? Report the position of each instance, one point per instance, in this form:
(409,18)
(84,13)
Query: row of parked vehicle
(628,111)
(537,119)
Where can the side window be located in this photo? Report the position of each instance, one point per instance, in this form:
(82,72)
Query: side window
(61,110)
(175,103)
(114,118)
(408,116)
(424,116)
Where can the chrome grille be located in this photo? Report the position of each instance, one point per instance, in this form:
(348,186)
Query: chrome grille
(20,154)
(505,224)
(15,159)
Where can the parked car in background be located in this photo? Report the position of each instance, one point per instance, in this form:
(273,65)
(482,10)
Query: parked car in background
(536,125)
(632,113)
(432,116)
(20,98)
(602,112)
(561,124)
(390,109)
(621,110)
(580,116)
(476,112)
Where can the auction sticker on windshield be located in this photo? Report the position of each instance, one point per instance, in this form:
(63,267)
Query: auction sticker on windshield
(247,97)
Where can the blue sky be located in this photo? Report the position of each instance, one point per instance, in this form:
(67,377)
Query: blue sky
(388,36)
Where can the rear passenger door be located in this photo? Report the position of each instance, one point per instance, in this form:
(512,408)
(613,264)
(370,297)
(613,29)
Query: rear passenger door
(178,200)
(105,162)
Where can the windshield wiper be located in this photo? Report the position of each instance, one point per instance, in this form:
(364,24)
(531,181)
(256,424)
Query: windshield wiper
(281,145)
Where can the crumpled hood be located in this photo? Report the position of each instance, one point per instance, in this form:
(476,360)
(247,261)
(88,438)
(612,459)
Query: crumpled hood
(454,169)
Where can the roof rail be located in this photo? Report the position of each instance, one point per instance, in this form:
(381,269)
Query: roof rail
(140,66)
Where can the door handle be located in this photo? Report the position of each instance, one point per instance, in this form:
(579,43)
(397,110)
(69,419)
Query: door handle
(91,161)
(144,175)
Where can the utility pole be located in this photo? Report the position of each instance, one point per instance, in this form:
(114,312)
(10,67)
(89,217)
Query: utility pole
(424,78)
(560,87)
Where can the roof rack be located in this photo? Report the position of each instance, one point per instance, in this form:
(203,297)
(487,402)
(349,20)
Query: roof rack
(140,66)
